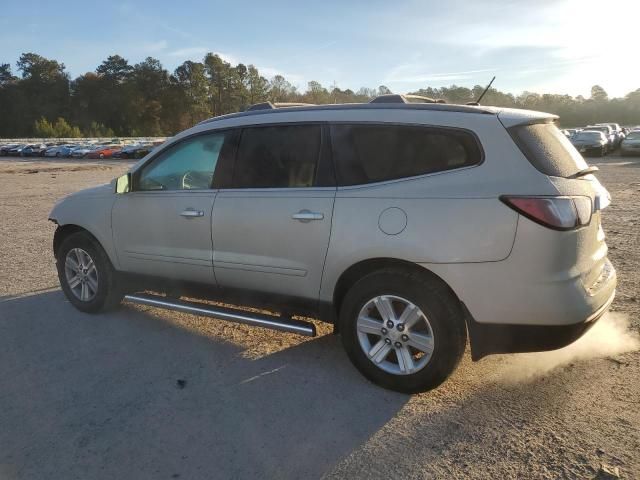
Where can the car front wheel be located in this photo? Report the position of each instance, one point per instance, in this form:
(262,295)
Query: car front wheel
(402,330)
(86,275)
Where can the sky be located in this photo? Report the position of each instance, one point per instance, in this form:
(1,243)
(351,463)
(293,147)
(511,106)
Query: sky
(554,46)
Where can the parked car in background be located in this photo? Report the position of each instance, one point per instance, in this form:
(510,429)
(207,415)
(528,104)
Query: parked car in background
(617,132)
(126,150)
(60,151)
(631,144)
(608,133)
(82,150)
(135,151)
(16,150)
(104,151)
(33,150)
(4,150)
(146,149)
(590,143)
(573,131)
(50,151)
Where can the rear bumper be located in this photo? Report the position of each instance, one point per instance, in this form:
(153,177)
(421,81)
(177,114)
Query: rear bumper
(590,148)
(490,338)
(625,150)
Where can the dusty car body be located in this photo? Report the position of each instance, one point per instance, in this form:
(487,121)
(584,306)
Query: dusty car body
(405,225)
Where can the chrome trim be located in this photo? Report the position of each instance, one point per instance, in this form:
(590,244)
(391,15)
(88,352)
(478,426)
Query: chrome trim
(255,319)
(307,216)
(191,213)
(601,311)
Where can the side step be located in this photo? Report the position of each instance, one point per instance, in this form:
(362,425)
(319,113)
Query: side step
(256,319)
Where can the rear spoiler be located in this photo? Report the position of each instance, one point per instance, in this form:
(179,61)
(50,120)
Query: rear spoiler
(513,117)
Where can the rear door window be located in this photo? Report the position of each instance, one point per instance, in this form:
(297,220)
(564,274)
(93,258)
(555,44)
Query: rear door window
(547,149)
(277,157)
(376,153)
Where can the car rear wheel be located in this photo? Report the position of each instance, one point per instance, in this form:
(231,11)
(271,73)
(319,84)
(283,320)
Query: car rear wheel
(86,275)
(402,330)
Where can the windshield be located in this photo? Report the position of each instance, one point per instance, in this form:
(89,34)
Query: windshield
(633,136)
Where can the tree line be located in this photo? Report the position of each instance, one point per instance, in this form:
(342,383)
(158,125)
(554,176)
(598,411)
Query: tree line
(145,99)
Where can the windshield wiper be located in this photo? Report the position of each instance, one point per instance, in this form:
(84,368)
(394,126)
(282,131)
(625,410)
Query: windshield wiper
(584,172)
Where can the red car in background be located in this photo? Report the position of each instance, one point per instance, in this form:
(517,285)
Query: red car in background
(104,152)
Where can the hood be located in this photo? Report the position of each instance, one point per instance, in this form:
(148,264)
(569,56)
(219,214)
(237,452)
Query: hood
(99,191)
(72,201)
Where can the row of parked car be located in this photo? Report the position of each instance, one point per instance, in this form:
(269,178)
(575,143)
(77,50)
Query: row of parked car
(603,138)
(113,149)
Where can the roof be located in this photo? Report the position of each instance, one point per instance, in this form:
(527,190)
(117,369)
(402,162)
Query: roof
(443,107)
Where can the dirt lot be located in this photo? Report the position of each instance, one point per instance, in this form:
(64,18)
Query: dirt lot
(93,397)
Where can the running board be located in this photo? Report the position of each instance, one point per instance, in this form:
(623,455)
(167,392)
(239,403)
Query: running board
(256,319)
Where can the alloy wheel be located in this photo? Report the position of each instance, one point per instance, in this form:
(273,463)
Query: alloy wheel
(395,335)
(81,274)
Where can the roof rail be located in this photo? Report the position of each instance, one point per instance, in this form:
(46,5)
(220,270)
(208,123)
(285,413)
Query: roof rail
(421,99)
(397,98)
(273,106)
(260,106)
(437,106)
(293,104)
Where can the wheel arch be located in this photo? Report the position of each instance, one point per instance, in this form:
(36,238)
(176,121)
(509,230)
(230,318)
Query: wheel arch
(63,231)
(358,270)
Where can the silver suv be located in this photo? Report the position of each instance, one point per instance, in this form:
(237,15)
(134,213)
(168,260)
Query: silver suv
(408,226)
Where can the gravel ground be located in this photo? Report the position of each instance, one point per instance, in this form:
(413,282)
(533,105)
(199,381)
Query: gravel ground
(99,397)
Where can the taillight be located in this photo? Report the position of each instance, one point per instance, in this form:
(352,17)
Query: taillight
(558,213)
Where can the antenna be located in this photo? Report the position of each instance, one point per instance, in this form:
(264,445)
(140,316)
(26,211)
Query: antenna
(477,102)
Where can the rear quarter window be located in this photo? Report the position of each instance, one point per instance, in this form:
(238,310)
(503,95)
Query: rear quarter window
(548,149)
(375,153)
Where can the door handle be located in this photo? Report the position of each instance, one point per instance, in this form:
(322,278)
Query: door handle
(307,216)
(191,213)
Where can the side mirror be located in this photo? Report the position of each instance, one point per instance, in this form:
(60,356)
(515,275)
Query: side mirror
(123,183)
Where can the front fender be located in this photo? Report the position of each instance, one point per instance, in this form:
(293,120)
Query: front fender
(91,211)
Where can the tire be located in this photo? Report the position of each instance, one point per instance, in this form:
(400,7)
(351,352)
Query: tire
(106,296)
(602,152)
(444,324)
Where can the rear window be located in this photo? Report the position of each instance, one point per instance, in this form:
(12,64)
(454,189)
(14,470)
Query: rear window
(547,149)
(376,153)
